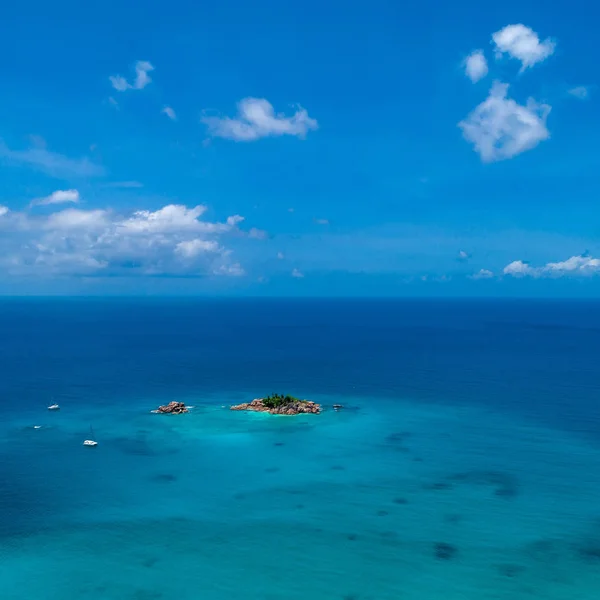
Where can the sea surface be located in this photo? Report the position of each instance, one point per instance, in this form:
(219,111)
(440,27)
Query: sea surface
(465,463)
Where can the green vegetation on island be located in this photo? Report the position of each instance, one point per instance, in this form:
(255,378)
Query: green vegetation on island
(279,400)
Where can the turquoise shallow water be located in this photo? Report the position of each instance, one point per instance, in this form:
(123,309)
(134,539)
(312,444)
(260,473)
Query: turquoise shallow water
(216,504)
(393,497)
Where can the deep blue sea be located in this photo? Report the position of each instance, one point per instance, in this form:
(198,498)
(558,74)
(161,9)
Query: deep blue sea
(464,465)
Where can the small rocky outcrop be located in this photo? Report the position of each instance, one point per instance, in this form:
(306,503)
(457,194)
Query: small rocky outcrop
(293,407)
(173,408)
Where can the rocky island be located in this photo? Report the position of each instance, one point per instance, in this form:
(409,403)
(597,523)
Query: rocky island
(173,408)
(278,404)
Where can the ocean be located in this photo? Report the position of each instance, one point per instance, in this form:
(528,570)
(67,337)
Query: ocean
(465,463)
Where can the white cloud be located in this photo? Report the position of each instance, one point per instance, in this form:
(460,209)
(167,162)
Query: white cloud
(482,274)
(58,197)
(574,266)
(321,221)
(172,240)
(57,261)
(175,217)
(518,268)
(257,234)
(120,84)
(581,92)
(500,128)
(297,274)
(522,43)
(476,67)
(191,248)
(234,270)
(256,119)
(234,220)
(51,163)
(142,79)
(462,255)
(167,110)
(280,255)
(3,210)
(74,218)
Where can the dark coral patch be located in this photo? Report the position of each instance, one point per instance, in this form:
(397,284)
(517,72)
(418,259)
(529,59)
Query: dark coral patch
(505,485)
(437,486)
(453,518)
(444,551)
(510,570)
(164,478)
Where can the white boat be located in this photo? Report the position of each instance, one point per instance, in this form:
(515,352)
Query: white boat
(37,426)
(91,441)
(54,407)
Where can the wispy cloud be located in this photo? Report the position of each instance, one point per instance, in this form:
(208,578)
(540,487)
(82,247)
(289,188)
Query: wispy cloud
(52,163)
(522,43)
(582,92)
(500,128)
(322,221)
(142,79)
(476,67)
(257,234)
(256,119)
(482,274)
(233,270)
(123,184)
(436,278)
(297,274)
(580,265)
(58,197)
(167,110)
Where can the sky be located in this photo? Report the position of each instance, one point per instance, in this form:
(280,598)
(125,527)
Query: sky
(272,148)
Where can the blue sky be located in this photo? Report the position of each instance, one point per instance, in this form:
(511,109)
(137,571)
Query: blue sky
(271,148)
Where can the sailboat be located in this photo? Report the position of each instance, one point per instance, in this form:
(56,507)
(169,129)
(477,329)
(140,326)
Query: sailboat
(91,441)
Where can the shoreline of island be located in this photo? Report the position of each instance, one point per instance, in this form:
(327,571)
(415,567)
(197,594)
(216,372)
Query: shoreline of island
(275,404)
(279,404)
